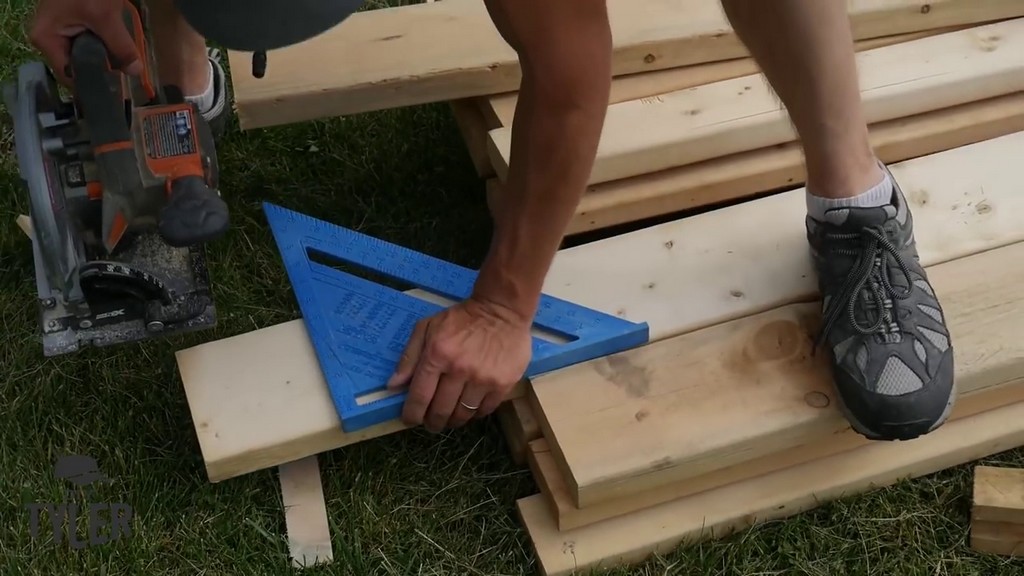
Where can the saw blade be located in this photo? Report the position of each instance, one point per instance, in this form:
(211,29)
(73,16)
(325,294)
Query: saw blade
(35,95)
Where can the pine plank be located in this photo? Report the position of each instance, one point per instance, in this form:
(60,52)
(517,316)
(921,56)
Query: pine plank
(740,176)
(726,394)
(440,51)
(252,410)
(305,513)
(741,114)
(998,495)
(498,110)
(568,516)
(716,513)
(1001,538)
(472,127)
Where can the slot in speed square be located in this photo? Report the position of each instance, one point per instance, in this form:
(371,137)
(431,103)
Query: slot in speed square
(359,327)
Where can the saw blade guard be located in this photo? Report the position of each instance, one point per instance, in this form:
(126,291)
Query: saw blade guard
(36,93)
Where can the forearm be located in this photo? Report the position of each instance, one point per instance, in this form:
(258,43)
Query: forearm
(557,126)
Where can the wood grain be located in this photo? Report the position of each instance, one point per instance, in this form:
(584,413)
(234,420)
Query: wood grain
(741,114)
(440,51)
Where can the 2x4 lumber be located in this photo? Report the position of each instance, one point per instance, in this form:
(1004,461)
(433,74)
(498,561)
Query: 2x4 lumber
(1002,538)
(740,114)
(499,110)
(305,513)
(440,51)
(998,494)
(568,516)
(609,420)
(707,269)
(745,174)
(519,426)
(724,510)
(746,389)
(471,125)
(252,410)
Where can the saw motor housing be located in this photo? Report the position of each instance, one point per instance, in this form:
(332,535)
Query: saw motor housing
(122,179)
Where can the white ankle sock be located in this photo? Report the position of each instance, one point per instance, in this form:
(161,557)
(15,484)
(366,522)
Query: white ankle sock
(206,99)
(878,195)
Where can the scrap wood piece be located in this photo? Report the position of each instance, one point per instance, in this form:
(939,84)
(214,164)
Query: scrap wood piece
(472,127)
(568,516)
(305,513)
(499,109)
(740,114)
(519,425)
(439,51)
(719,512)
(253,411)
(998,495)
(1002,538)
(746,174)
(727,394)
(25,224)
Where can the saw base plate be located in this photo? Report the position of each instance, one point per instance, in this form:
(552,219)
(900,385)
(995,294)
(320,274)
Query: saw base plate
(122,318)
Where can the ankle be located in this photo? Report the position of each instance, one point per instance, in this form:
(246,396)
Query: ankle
(845,180)
(190,73)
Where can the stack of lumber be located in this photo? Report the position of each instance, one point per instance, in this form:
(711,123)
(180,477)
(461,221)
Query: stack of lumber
(997,511)
(725,419)
(690,122)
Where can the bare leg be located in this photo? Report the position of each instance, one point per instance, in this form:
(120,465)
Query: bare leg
(889,347)
(805,49)
(180,51)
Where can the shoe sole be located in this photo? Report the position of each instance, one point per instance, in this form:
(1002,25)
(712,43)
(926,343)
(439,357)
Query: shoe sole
(903,431)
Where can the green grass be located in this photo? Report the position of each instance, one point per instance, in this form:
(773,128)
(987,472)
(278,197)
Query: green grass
(410,503)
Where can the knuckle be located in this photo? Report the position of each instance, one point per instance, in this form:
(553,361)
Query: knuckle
(441,352)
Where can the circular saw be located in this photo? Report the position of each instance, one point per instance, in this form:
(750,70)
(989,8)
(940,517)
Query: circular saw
(122,181)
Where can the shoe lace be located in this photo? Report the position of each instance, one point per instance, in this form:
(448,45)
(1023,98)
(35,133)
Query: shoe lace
(869,280)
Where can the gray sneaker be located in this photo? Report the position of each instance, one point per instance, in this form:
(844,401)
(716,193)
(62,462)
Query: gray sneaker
(890,350)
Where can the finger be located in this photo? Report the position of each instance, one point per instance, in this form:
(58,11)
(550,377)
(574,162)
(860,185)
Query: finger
(410,356)
(489,404)
(422,389)
(54,48)
(124,54)
(472,396)
(449,390)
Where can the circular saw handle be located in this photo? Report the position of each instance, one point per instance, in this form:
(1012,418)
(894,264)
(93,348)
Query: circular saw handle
(101,96)
(99,91)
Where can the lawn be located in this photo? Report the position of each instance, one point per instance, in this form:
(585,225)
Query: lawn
(410,503)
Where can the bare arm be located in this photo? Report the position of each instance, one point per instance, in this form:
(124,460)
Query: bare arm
(564,50)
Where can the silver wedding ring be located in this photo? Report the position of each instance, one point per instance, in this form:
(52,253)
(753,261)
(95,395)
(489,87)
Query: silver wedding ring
(468,407)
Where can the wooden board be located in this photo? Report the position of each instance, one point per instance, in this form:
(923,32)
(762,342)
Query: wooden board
(715,513)
(998,494)
(714,120)
(729,393)
(440,51)
(1002,538)
(699,271)
(498,110)
(473,128)
(305,513)
(568,516)
(519,426)
(252,411)
(745,174)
